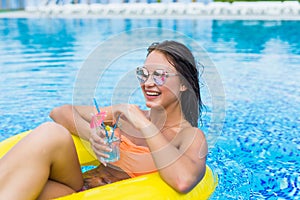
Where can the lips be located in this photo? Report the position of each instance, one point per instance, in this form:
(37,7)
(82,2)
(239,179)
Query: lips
(150,93)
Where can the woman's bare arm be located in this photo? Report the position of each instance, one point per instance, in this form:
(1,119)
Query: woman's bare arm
(77,118)
(181,162)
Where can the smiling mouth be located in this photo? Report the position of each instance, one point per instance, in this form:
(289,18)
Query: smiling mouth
(152,93)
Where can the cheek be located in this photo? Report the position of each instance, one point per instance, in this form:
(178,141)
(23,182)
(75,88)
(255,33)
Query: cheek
(171,92)
(172,86)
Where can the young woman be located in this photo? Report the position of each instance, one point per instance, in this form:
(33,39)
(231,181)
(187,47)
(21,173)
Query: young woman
(164,138)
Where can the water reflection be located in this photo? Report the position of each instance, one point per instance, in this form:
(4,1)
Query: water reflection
(253,36)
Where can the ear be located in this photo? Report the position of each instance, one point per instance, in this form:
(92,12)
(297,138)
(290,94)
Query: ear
(183,88)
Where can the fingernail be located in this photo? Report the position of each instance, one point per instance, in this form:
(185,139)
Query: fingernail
(102,141)
(109,149)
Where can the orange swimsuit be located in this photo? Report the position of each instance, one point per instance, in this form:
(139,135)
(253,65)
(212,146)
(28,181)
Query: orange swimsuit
(134,160)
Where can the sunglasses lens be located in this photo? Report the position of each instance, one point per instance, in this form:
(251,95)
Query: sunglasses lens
(142,74)
(159,77)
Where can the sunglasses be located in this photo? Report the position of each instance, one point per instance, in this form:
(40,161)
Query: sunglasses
(159,76)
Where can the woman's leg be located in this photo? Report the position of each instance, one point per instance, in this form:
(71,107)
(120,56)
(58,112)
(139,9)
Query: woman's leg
(48,152)
(54,189)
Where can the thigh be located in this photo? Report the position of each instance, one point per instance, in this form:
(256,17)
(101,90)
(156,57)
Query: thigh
(54,189)
(65,167)
(47,152)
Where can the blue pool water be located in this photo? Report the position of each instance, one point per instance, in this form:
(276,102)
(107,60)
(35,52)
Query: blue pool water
(257,153)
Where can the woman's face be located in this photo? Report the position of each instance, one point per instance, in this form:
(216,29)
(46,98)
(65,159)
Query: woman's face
(166,94)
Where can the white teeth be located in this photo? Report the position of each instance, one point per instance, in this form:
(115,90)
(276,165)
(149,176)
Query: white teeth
(152,93)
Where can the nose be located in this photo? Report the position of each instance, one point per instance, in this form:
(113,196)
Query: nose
(150,81)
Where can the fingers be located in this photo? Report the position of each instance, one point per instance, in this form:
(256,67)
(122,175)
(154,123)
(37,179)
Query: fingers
(128,112)
(95,138)
(100,147)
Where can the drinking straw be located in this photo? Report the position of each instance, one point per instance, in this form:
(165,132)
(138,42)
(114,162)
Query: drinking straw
(115,126)
(97,107)
(102,124)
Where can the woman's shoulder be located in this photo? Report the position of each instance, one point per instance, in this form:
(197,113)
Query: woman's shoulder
(188,129)
(192,136)
(191,131)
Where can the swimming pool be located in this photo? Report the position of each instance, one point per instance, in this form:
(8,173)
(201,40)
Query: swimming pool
(257,154)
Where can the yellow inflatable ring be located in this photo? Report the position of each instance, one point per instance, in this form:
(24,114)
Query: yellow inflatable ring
(149,186)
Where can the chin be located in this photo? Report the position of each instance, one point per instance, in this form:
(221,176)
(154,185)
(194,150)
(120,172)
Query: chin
(150,104)
(153,105)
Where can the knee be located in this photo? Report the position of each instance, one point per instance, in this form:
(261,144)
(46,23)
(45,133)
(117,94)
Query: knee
(53,127)
(59,112)
(54,131)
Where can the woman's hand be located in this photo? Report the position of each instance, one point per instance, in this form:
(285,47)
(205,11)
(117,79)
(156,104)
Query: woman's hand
(98,144)
(133,114)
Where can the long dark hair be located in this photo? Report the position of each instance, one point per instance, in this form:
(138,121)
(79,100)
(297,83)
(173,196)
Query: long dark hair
(184,62)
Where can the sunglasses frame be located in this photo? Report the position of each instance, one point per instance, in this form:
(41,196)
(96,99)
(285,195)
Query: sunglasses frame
(165,73)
